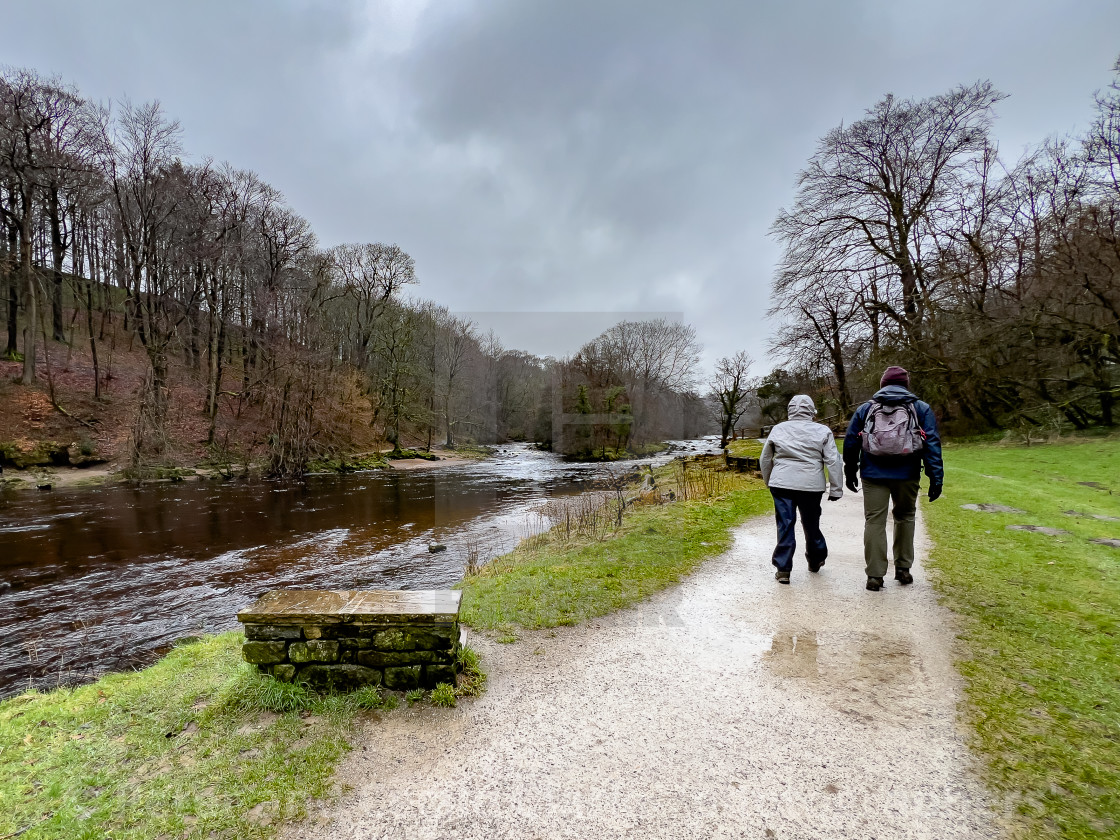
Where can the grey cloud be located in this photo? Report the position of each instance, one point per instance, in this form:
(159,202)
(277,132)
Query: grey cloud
(609,157)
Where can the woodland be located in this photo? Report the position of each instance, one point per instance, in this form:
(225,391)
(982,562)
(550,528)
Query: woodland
(912,240)
(119,253)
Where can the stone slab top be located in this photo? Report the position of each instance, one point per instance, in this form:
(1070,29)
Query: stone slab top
(338,606)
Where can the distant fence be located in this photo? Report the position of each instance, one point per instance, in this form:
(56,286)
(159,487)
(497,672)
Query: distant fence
(837,423)
(742,464)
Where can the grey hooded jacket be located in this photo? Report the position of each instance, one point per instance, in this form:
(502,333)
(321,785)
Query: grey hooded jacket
(798,452)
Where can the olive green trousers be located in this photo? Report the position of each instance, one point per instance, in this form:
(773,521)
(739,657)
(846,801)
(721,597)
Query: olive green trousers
(877,497)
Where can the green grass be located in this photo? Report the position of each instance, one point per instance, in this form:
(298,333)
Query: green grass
(472,679)
(1041,621)
(551,582)
(443,695)
(199,745)
(744,448)
(183,748)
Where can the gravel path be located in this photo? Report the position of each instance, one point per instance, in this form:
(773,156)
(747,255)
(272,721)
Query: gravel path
(729,706)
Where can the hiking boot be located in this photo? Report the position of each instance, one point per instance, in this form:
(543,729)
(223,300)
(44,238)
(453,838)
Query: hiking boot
(874,584)
(815,565)
(781,577)
(903,576)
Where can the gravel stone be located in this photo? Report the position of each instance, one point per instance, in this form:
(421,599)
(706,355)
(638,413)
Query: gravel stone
(728,706)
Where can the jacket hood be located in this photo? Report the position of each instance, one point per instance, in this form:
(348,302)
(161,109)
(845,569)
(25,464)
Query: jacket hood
(802,407)
(893,394)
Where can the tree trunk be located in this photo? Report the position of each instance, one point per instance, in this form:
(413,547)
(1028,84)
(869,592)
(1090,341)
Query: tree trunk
(152,440)
(93,341)
(58,253)
(836,350)
(912,316)
(12,349)
(30,294)
(431,418)
(215,351)
(1107,401)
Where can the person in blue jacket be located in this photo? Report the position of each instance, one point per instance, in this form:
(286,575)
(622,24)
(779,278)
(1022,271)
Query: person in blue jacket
(892,478)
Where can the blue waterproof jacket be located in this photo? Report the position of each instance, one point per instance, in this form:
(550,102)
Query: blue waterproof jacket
(894,467)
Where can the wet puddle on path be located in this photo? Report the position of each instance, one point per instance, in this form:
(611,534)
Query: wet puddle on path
(855,672)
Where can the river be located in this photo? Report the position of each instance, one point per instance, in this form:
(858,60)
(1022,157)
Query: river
(105,579)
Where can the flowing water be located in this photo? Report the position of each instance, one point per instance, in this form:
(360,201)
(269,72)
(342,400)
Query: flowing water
(95,580)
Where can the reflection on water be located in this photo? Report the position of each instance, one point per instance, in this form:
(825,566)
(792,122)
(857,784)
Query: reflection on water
(863,675)
(102,579)
(794,655)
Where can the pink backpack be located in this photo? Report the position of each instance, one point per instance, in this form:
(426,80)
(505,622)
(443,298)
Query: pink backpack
(892,430)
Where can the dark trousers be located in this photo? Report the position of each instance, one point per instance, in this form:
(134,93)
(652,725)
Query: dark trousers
(877,497)
(787,504)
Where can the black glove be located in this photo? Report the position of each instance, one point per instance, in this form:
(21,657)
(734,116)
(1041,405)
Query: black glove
(934,491)
(852,482)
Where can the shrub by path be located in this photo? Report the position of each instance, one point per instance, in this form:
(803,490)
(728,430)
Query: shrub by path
(727,706)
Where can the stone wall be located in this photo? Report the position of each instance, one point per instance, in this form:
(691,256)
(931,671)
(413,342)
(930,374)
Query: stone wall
(342,640)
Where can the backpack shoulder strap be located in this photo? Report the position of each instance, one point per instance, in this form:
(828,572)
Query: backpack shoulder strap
(870,405)
(913,409)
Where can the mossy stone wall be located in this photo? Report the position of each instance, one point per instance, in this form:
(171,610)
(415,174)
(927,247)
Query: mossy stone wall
(338,650)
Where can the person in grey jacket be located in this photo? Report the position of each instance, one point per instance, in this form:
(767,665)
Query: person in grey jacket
(794,462)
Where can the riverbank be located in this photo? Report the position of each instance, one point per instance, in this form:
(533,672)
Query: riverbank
(61,477)
(744,448)
(49,477)
(94,581)
(596,559)
(200,743)
(57,432)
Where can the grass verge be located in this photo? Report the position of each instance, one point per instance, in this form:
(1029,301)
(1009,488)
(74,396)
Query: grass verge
(1041,620)
(199,745)
(744,448)
(550,581)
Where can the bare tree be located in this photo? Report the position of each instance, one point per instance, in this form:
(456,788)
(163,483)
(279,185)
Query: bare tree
(730,389)
(371,274)
(459,336)
(32,111)
(825,321)
(395,349)
(654,361)
(875,191)
(1102,143)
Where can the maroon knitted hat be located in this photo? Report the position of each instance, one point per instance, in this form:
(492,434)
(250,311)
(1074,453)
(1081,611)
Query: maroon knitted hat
(895,375)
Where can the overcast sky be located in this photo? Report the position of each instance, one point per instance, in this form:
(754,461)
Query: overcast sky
(608,158)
